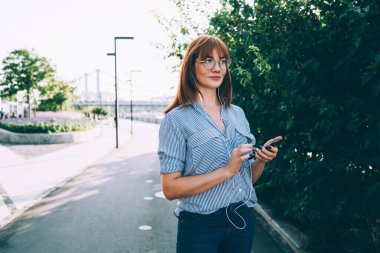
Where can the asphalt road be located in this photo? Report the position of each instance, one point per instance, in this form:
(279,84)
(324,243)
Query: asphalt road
(114,206)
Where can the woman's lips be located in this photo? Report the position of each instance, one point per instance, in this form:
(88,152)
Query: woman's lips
(215,78)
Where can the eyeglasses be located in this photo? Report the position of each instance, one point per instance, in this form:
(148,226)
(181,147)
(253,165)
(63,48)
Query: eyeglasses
(209,63)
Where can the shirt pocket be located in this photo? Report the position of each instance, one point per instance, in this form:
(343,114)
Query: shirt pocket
(242,136)
(208,151)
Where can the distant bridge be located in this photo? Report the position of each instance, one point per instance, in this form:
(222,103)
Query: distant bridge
(123,103)
(139,107)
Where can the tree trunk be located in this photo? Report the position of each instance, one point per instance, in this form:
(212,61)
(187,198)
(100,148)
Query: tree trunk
(28,102)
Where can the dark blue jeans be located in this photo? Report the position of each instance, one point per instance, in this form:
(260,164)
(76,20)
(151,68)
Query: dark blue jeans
(214,233)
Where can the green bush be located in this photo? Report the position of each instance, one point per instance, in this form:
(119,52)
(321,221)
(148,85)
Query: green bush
(47,126)
(94,111)
(99,111)
(309,70)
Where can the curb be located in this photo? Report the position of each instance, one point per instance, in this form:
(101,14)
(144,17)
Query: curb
(286,239)
(18,212)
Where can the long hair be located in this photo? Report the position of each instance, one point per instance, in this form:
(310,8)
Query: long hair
(187,88)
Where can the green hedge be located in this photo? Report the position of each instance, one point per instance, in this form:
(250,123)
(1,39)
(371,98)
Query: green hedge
(47,127)
(100,111)
(309,70)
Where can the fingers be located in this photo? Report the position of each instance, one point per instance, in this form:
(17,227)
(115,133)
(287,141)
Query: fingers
(262,159)
(245,157)
(242,152)
(244,148)
(271,141)
(266,154)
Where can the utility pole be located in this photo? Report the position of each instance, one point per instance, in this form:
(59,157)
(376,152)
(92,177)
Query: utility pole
(85,88)
(116,97)
(98,93)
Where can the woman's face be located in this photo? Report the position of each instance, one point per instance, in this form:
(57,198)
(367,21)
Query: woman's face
(212,76)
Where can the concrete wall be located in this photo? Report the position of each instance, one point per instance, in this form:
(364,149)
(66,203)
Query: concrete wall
(71,137)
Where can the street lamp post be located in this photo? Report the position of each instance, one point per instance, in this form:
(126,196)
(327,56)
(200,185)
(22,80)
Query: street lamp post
(116,98)
(131,105)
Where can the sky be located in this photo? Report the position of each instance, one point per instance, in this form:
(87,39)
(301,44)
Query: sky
(76,35)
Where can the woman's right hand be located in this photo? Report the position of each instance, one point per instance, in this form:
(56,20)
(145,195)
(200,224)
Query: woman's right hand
(237,158)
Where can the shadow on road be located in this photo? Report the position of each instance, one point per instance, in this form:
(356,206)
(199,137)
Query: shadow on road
(99,211)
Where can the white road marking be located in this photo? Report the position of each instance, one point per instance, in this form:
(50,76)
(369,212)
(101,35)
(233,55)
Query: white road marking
(160,194)
(145,227)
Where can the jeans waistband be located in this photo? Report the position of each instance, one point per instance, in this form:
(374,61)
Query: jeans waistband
(230,208)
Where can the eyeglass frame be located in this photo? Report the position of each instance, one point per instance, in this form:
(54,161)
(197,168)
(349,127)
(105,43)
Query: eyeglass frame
(214,64)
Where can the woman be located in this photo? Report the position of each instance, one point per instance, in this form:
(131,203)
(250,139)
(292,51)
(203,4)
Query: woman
(205,146)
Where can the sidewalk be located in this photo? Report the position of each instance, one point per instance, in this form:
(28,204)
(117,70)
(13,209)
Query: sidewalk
(23,182)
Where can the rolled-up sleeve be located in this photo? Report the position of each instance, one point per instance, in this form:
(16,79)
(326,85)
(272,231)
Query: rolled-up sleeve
(171,148)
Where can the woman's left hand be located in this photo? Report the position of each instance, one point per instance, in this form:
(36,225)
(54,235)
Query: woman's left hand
(268,151)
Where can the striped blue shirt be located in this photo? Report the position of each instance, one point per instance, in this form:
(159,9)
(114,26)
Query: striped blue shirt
(190,142)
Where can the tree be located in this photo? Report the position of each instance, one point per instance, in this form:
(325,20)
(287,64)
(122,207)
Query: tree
(56,96)
(191,20)
(99,111)
(310,70)
(24,71)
